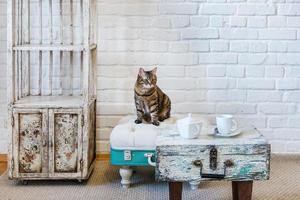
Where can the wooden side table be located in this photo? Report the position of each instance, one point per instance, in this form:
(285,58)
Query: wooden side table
(241,159)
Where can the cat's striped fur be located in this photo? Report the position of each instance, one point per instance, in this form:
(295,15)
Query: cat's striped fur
(152,105)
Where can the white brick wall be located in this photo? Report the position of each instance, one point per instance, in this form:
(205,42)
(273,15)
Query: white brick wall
(213,56)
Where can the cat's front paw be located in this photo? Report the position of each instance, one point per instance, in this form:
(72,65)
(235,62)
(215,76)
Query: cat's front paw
(138,121)
(155,123)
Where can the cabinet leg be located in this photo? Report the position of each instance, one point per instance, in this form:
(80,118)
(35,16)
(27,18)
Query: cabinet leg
(242,190)
(175,190)
(125,173)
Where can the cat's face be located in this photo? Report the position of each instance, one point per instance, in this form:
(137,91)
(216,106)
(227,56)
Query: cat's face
(147,79)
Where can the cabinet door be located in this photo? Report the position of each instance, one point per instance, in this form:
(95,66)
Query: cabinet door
(65,129)
(30,138)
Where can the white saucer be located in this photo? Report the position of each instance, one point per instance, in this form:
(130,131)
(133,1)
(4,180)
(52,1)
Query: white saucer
(234,133)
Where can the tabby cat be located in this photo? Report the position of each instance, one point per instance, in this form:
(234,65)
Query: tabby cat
(152,105)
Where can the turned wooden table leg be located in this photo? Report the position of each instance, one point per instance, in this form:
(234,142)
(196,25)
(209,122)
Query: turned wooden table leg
(175,190)
(242,190)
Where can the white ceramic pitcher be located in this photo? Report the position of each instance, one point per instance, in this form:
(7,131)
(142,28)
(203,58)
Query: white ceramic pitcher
(189,128)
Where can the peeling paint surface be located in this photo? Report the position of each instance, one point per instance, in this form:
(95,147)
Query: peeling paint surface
(66,142)
(176,157)
(30,142)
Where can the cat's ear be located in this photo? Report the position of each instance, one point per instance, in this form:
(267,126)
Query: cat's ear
(154,70)
(141,72)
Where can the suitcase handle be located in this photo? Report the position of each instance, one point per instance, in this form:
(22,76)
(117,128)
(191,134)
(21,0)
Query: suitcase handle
(227,163)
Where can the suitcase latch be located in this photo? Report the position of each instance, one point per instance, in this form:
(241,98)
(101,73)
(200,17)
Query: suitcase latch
(213,156)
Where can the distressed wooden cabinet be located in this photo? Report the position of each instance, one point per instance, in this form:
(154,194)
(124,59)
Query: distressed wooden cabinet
(52,104)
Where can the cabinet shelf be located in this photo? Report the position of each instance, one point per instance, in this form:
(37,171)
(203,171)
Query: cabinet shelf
(50,102)
(52,47)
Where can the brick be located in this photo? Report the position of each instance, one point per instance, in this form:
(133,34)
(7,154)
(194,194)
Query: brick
(277,108)
(287,84)
(255,71)
(193,33)
(178,47)
(195,71)
(212,83)
(167,35)
(109,83)
(293,72)
(179,59)
(264,96)
(256,59)
(239,46)
(238,21)
(258,47)
(274,71)
(107,121)
(219,45)
(109,71)
(236,108)
(116,109)
(217,58)
(277,34)
(226,95)
(238,33)
(128,58)
(161,22)
(293,21)
(293,46)
(177,83)
(218,21)
(200,108)
(277,21)
(200,21)
(256,9)
(235,71)
(216,71)
(256,83)
(293,96)
(116,96)
(277,122)
(118,33)
(195,96)
(257,22)
(289,9)
(294,122)
(258,122)
(277,46)
(170,71)
(128,9)
(176,96)
(291,59)
(217,9)
(180,21)
(158,46)
(178,8)
(199,46)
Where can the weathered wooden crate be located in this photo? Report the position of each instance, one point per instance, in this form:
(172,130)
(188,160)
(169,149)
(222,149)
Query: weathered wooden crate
(51,76)
(242,158)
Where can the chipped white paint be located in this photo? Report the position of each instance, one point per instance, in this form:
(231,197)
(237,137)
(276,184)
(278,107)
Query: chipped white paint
(249,152)
(51,67)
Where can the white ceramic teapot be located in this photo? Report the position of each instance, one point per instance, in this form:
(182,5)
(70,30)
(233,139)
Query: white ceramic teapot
(189,128)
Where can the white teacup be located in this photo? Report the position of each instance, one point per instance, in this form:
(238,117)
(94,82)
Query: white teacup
(226,124)
(189,130)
